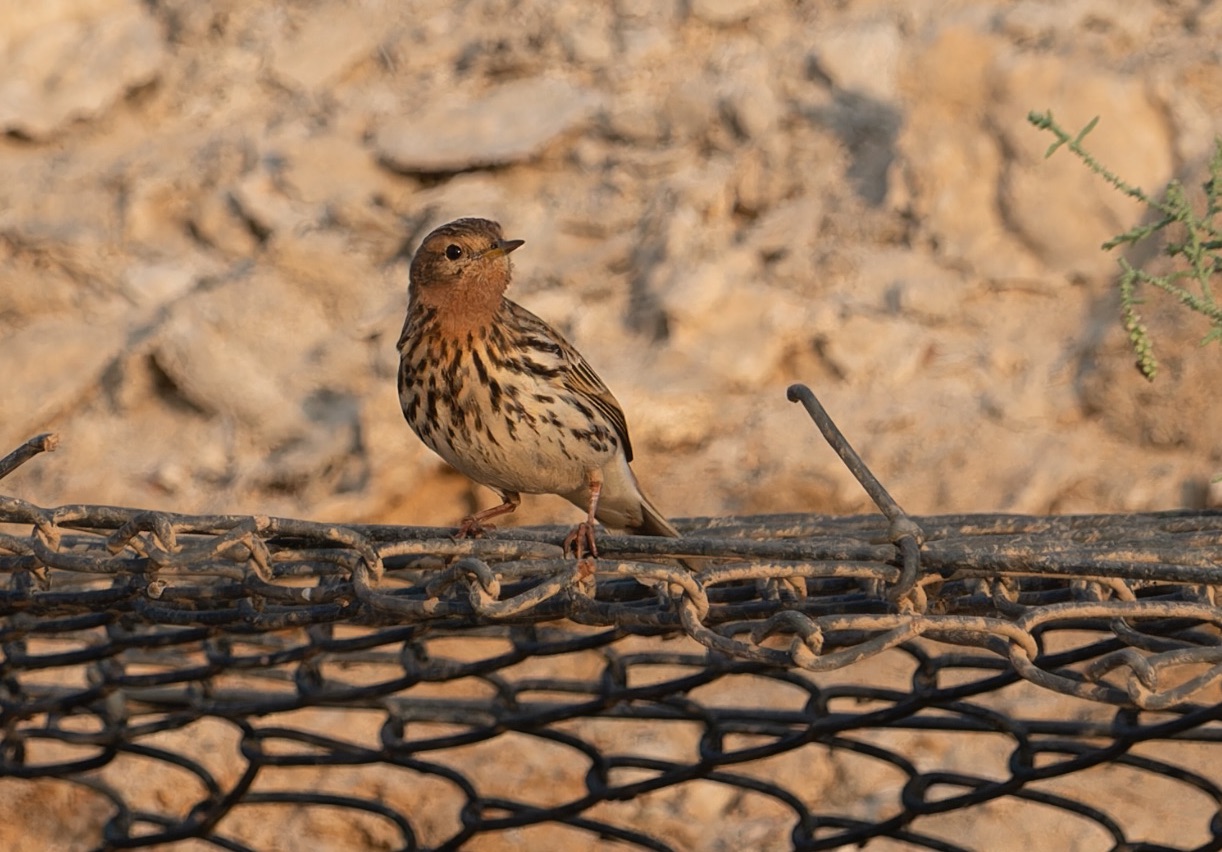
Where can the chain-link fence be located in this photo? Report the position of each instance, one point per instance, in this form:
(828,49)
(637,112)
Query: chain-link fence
(963,682)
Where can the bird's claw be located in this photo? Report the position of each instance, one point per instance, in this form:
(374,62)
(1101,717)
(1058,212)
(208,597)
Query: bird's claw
(586,568)
(580,540)
(472,527)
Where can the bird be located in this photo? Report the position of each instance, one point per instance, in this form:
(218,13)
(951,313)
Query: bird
(504,398)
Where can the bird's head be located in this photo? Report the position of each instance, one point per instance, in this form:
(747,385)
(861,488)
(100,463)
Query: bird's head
(464,260)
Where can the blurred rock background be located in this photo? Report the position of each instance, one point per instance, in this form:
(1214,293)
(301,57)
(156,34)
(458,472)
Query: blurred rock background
(206,210)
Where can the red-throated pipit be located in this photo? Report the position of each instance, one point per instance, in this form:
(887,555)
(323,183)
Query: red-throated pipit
(504,398)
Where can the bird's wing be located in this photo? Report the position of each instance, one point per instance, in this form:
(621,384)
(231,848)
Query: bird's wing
(583,381)
(577,375)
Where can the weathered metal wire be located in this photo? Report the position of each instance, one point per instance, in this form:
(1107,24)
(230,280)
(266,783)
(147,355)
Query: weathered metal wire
(134,638)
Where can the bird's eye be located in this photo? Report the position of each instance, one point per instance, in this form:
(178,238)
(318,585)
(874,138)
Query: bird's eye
(453,252)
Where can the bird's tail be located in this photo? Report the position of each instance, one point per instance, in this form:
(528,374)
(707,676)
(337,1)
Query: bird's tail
(622,500)
(652,522)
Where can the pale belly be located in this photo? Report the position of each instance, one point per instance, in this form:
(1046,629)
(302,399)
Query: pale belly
(529,437)
(531,460)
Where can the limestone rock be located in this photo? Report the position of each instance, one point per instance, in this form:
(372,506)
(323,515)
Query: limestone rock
(715,302)
(724,12)
(1058,206)
(49,367)
(329,41)
(864,57)
(1169,411)
(512,122)
(237,349)
(155,284)
(70,60)
(951,160)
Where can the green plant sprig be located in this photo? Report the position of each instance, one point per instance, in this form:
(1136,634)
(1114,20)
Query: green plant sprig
(1199,253)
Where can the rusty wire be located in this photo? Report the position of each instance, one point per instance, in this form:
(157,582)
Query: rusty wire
(150,623)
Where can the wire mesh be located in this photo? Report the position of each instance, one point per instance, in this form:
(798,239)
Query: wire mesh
(950,682)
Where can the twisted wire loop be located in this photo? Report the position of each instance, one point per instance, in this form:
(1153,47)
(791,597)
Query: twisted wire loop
(815,682)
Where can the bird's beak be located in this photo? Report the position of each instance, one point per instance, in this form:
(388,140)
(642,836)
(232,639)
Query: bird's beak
(502,247)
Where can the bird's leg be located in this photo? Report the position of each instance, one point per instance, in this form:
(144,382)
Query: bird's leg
(473,526)
(582,536)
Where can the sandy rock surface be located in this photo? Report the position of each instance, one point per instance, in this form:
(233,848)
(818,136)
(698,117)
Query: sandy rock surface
(206,212)
(205,219)
(207,208)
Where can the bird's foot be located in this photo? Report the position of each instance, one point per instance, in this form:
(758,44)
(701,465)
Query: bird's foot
(473,527)
(581,540)
(586,568)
